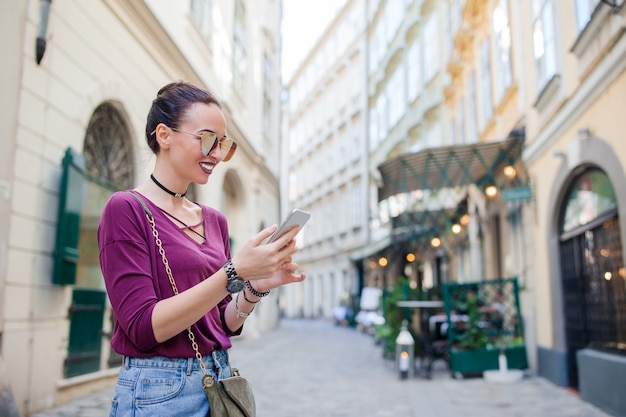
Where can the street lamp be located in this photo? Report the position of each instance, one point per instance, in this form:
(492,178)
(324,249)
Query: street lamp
(405,355)
(491,191)
(40,45)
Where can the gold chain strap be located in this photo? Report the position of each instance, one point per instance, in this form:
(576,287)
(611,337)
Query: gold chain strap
(192,337)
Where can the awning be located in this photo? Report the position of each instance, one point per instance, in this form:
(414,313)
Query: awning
(427,222)
(453,166)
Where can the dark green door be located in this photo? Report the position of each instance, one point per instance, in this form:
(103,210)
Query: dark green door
(85,341)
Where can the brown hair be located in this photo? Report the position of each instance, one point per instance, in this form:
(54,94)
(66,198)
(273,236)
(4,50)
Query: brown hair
(169,107)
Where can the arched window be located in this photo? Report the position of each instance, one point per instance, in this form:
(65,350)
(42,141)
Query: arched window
(589,197)
(108,148)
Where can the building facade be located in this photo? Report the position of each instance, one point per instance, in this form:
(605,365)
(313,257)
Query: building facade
(494,150)
(79,79)
(326,173)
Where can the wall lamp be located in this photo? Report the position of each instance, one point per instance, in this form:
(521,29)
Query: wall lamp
(40,43)
(491,191)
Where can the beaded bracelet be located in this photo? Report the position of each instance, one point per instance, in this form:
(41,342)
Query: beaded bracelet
(255,292)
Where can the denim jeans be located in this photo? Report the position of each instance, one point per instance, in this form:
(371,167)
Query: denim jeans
(161,386)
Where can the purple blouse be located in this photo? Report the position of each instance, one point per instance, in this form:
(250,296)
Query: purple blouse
(135,276)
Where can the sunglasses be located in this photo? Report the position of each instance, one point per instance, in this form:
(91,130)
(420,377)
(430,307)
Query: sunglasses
(209,141)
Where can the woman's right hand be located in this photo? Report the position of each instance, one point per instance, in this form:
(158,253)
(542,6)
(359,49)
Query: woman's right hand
(256,260)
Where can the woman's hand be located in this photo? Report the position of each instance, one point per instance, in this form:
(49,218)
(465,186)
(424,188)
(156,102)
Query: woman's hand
(285,275)
(270,264)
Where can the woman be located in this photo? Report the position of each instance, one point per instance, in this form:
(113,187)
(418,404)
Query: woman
(186,129)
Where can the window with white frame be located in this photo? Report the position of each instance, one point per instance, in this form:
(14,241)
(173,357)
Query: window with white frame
(377,50)
(397,100)
(432,61)
(357,203)
(434,136)
(485,84)
(456,15)
(394,14)
(544,47)
(373,128)
(460,122)
(268,72)
(202,15)
(240,56)
(472,130)
(343,215)
(584,9)
(414,72)
(449,31)
(502,37)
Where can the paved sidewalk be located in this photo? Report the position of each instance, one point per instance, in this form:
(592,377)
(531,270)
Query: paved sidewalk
(311,368)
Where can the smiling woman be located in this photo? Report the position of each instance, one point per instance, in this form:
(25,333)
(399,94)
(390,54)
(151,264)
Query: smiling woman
(177,293)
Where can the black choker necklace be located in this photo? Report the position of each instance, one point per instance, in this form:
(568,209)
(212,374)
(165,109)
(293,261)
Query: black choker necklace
(167,190)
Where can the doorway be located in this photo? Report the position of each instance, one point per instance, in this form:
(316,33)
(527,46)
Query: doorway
(592,270)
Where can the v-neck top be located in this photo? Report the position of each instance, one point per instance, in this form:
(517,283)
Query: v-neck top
(135,277)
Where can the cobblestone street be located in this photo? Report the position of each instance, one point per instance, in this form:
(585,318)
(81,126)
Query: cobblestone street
(310,368)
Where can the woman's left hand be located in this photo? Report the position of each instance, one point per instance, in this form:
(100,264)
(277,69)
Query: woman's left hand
(286,274)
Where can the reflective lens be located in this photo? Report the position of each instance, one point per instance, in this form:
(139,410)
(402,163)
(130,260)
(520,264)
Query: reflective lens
(209,141)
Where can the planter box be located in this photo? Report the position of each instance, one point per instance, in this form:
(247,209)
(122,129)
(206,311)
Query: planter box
(473,361)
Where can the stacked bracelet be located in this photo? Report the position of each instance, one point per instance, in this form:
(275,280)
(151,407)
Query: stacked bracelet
(255,292)
(241,313)
(246,298)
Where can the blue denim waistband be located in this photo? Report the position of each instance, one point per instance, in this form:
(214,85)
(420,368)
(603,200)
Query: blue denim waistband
(217,357)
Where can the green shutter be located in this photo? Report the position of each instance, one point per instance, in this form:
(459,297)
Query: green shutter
(85,341)
(68,221)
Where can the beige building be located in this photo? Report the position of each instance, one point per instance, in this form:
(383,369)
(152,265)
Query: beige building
(74,116)
(525,97)
(564,87)
(494,139)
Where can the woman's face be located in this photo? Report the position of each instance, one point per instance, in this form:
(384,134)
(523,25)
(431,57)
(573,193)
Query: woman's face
(186,150)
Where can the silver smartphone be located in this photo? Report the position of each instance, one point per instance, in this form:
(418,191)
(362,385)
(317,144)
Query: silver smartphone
(297,217)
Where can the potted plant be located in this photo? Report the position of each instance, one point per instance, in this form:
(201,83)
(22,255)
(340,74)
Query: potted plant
(476,336)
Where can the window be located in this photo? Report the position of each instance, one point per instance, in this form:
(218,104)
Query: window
(202,15)
(394,14)
(414,76)
(431,48)
(434,136)
(584,9)
(268,71)
(589,197)
(460,122)
(239,47)
(485,84)
(544,41)
(356,215)
(377,50)
(472,133)
(502,35)
(397,100)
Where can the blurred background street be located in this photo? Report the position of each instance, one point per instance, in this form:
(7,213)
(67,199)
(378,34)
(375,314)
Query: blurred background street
(463,158)
(312,368)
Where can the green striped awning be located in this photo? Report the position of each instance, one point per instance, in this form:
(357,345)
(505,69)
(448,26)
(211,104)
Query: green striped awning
(481,164)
